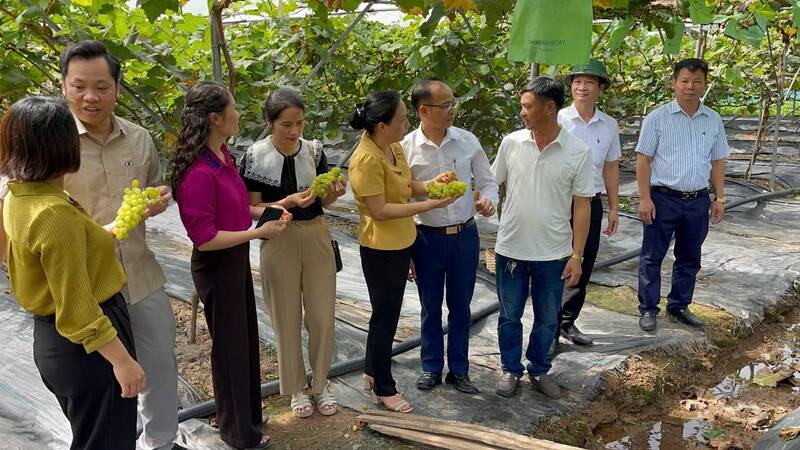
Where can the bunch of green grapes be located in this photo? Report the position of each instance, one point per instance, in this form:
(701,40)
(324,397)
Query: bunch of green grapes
(446,190)
(134,204)
(320,183)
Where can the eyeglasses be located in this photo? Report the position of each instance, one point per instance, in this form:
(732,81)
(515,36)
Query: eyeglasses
(446,106)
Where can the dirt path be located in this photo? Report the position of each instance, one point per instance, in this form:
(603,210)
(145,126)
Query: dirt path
(706,400)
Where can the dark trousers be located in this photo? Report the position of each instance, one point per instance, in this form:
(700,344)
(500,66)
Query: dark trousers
(85,385)
(225,285)
(445,262)
(575,296)
(385,272)
(688,221)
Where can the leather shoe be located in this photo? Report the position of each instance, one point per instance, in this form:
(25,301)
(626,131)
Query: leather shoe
(685,317)
(648,321)
(462,383)
(553,348)
(507,384)
(546,385)
(575,336)
(428,380)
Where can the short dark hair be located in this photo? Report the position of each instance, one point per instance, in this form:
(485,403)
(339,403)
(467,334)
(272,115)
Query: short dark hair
(546,87)
(281,100)
(690,64)
(39,140)
(422,92)
(379,107)
(89,50)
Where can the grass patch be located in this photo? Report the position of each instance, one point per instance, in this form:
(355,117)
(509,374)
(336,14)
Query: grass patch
(575,432)
(722,328)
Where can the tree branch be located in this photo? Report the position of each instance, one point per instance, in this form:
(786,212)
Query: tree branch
(154,115)
(216,14)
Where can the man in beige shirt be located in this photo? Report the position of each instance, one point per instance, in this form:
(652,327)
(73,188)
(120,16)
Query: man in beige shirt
(114,152)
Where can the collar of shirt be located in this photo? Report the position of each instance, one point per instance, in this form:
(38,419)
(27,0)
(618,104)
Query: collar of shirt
(367,144)
(419,138)
(675,108)
(213,160)
(561,139)
(26,188)
(571,113)
(117,128)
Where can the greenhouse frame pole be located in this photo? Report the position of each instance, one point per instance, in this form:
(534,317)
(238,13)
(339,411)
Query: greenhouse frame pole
(216,60)
(778,117)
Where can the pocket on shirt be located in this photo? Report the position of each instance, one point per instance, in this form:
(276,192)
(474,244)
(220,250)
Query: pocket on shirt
(707,144)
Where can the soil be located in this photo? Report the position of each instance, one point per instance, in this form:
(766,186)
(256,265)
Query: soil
(194,359)
(704,400)
(286,431)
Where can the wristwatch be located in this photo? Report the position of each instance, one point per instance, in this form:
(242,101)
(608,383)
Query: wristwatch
(578,257)
(720,200)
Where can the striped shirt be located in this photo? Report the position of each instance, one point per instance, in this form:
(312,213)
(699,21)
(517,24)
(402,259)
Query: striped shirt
(682,147)
(61,262)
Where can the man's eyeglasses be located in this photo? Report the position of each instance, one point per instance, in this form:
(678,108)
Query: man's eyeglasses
(446,106)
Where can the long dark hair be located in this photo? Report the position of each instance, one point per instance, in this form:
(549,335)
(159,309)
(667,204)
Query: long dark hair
(203,98)
(379,107)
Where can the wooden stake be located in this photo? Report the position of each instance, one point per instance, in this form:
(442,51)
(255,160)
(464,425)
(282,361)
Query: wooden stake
(435,440)
(471,432)
(193,326)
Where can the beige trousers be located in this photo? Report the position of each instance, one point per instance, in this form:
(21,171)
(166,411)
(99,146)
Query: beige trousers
(298,276)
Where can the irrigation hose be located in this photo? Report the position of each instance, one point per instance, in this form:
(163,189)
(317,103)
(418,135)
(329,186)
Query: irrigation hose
(207,407)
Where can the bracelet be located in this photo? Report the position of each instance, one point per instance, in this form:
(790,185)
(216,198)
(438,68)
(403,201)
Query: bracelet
(720,200)
(577,257)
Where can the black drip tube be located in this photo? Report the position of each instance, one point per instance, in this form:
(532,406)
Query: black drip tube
(207,407)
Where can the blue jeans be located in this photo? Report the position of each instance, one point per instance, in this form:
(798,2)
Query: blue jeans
(515,279)
(688,221)
(445,263)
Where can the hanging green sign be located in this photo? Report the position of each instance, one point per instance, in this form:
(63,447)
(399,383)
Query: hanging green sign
(551,32)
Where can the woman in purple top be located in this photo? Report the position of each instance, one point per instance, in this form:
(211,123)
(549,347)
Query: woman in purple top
(217,216)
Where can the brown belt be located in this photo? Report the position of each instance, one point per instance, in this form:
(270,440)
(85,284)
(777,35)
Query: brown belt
(452,229)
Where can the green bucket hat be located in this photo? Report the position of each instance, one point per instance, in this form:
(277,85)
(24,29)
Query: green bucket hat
(593,67)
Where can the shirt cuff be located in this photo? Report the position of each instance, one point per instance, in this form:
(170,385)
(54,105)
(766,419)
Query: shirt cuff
(201,236)
(103,332)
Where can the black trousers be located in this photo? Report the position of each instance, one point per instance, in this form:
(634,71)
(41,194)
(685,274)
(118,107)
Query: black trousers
(575,296)
(85,385)
(225,285)
(385,272)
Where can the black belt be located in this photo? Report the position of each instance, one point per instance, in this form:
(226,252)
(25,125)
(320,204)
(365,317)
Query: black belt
(683,195)
(452,229)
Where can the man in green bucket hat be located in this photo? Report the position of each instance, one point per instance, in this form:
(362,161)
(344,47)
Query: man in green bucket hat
(600,131)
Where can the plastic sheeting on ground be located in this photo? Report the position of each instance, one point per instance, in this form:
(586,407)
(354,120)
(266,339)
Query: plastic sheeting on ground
(772,440)
(750,261)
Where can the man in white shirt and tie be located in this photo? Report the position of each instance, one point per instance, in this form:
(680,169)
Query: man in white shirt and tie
(600,132)
(445,254)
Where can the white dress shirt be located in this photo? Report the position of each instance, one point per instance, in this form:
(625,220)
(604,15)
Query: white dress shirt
(460,152)
(535,224)
(601,134)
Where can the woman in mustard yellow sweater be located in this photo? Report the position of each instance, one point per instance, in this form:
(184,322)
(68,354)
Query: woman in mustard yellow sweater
(63,270)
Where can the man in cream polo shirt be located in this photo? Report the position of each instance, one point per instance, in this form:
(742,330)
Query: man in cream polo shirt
(548,178)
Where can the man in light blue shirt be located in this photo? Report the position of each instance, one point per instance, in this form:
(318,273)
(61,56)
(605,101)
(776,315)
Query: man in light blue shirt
(681,146)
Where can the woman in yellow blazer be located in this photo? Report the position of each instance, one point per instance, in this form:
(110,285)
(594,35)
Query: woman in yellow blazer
(382,186)
(63,270)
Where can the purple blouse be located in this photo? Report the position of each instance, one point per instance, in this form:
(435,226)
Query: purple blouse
(212,198)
